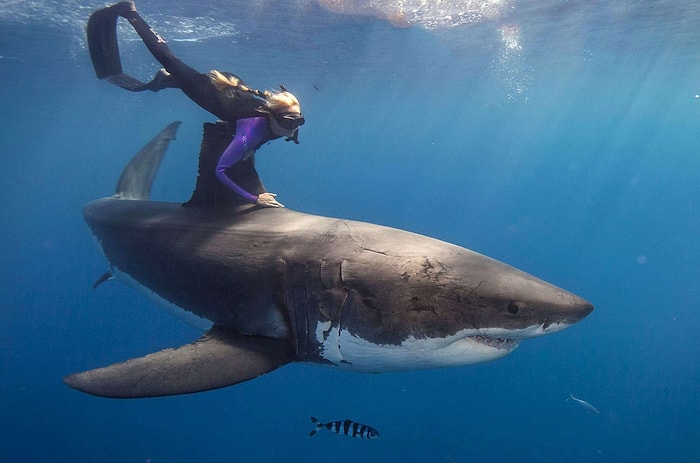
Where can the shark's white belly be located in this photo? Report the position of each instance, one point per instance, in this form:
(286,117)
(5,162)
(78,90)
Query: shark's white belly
(466,347)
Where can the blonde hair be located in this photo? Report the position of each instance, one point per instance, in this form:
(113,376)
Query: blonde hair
(280,100)
(231,82)
(274,101)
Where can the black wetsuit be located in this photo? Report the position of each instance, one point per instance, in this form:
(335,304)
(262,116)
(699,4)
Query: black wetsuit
(229,105)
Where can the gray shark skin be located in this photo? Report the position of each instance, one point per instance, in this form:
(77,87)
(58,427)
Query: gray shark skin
(272,286)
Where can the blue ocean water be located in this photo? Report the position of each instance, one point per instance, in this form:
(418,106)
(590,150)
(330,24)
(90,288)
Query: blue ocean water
(559,137)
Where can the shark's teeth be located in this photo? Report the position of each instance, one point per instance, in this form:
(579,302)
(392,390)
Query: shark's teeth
(496,343)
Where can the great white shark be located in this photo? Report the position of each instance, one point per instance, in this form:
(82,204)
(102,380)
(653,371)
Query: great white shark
(270,286)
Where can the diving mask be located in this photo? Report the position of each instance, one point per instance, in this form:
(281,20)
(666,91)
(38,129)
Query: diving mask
(290,120)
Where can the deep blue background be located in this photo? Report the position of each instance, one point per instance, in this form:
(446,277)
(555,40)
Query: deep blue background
(571,154)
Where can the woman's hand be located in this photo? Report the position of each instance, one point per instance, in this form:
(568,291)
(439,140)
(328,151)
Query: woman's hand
(268,200)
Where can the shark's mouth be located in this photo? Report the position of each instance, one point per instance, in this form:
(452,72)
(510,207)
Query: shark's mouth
(496,343)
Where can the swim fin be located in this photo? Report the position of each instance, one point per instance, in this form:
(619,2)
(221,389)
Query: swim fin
(104,50)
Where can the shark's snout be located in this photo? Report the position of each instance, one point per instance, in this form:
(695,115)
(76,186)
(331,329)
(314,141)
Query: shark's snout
(580,309)
(564,315)
(571,311)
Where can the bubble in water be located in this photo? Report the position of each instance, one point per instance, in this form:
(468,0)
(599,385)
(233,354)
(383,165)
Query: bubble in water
(510,35)
(511,67)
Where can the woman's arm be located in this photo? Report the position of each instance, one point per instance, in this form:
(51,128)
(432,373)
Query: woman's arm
(249,134)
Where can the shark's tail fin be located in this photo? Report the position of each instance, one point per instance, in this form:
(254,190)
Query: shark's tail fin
(137,177)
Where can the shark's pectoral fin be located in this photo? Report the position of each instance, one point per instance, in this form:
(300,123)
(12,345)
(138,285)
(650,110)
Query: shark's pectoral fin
(219,358)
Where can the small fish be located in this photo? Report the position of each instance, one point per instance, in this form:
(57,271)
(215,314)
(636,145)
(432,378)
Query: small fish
(347,427)
(105,277)
(584,404)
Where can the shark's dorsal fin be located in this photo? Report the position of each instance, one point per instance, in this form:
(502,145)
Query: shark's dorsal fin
(137,177)
(220,358)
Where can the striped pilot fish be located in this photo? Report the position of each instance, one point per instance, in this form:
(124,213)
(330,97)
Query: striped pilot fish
(346,427)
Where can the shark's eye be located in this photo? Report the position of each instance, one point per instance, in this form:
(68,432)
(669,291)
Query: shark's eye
(513,308)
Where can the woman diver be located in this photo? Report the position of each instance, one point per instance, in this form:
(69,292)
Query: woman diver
(250,116)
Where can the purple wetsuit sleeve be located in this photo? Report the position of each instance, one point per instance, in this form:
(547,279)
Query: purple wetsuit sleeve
(249,133)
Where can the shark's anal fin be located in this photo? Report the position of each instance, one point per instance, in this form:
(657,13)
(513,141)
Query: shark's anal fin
(219,358)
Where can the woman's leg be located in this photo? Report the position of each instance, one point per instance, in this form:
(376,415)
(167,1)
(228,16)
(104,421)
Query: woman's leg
(198,87)
(155,44)
(104,51)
